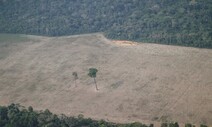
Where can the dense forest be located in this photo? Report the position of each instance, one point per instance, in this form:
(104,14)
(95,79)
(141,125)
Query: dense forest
(175,22)
(16,115)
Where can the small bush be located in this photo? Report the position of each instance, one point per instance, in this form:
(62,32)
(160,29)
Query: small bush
(164,125)
(173,124)
(188,125)
(202,125)
(151,125)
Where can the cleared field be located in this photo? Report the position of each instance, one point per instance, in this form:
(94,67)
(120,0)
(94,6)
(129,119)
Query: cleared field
(137,81)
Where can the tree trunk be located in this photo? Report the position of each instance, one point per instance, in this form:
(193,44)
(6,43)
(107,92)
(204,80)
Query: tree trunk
(75,83)
(95,83)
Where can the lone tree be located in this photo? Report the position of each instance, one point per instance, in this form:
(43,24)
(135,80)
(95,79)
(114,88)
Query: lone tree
(75,77)
(92,74)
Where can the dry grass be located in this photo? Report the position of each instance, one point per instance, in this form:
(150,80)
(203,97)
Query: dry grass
(143,82)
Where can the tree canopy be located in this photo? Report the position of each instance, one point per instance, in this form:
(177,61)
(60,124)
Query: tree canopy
(92,72)
(175,22)
(16,115)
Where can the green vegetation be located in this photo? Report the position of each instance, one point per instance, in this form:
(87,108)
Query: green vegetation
(173,124)
(202,125)
(170,124)
(164,125)
(189,125)
(92,74)
(16,115)
(182,22)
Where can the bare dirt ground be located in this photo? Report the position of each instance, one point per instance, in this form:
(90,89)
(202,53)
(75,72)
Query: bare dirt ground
(137,81)
(124,43)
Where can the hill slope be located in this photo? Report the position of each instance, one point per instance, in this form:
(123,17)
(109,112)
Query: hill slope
(176,22)
(137,82)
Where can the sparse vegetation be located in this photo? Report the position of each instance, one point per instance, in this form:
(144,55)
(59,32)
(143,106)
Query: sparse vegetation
(40,73)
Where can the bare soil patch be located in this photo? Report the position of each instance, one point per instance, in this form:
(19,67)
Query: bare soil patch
(124,43)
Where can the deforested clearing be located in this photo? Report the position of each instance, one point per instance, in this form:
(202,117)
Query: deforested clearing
(137,81)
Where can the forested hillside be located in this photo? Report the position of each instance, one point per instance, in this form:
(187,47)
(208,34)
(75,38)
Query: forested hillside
(177,22)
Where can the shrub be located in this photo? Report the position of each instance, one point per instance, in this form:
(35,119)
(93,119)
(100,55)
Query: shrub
(202,125)
(188,125)
(164,125)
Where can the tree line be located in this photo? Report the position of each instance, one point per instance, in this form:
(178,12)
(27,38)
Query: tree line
(172,22)
(16,115)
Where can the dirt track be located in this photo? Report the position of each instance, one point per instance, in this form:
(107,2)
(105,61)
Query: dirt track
(138,82)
